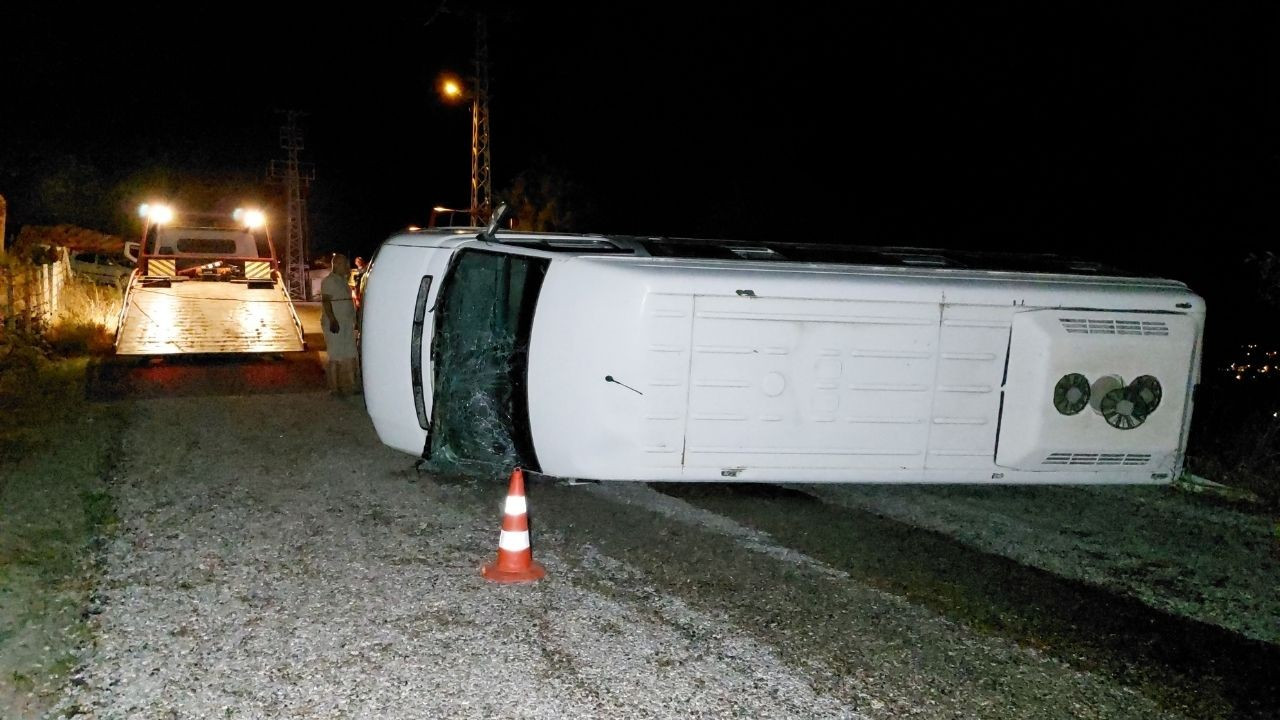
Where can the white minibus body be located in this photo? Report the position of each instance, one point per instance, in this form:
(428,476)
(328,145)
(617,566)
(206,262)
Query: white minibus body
(644,359)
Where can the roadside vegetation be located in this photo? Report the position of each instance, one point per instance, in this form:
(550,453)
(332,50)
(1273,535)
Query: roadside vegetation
(40,364)
(88,320)
(56,455)
(1235,432)
(1235,438)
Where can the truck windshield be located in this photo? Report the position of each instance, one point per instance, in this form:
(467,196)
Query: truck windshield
(480,419)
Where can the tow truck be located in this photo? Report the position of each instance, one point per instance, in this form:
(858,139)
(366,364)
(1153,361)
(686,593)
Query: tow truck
(206,284)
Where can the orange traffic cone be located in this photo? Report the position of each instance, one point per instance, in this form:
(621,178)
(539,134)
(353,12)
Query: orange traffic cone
(515,558)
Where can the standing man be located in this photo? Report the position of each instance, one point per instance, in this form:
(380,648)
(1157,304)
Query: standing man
(339,324)
(357,274)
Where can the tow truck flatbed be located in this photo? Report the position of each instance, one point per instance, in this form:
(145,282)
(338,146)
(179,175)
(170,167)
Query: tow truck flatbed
(192,316)
(206,289)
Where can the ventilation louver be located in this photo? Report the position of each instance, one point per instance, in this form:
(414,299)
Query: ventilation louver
(1093,326)
(1066,458)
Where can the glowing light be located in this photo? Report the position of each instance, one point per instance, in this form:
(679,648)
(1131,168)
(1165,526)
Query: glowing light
(144,210)
(414,228)
(253,219)
(159,214)
(451,87)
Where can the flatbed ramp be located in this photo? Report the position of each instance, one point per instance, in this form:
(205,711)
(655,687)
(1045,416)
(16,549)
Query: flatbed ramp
(207,317)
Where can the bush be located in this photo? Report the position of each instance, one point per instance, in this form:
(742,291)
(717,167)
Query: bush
(1235,435)
(86,324)
(76,339)
(36,389)
(85,303)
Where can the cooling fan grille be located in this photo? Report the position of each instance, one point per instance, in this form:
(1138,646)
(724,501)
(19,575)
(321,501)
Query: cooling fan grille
(1071,394)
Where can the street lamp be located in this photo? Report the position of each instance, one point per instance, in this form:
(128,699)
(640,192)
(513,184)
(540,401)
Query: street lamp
(454,90)
(451,88)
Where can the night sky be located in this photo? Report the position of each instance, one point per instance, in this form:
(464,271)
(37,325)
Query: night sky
(1114,132)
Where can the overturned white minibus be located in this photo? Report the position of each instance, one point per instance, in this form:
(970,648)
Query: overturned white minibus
(615,358)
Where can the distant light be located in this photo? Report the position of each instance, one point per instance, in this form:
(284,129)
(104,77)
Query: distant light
(144,210)
(253,219)
(440,208)
(452,89)
(414,228)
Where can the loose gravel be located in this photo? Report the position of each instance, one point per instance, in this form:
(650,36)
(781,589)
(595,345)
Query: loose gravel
(275,561)
(883,655)
(1177,552)
(286,565)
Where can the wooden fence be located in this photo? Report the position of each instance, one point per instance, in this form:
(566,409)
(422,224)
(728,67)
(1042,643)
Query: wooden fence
(31,294)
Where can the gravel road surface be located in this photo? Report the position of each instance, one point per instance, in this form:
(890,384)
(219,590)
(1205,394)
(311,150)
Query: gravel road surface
(274,560)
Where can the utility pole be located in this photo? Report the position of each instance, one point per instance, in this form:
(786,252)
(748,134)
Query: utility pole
(297,177)
(481,181)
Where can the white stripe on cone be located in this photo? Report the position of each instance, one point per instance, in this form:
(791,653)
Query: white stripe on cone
(513,541)
(515,505)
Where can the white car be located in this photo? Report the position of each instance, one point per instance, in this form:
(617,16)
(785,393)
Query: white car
(101,268)
(615,358)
